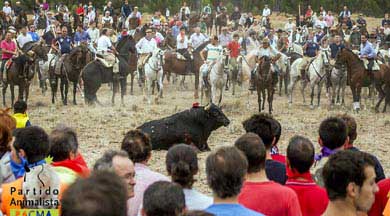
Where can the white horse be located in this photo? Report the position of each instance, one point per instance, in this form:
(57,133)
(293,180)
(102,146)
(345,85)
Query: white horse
(338,80)
(154,74)
(385,54)
(218,79)
(317,74)
(283,64)
(44,67)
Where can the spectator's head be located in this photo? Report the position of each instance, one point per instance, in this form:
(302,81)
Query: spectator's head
(138,146)
(300,154)
(63,143)
(386,15)
(236,37)
(31,143)
(23,30)
(20,106)
(351,128)
(102,194)
(107,13)
(7,125)
(32,28)
(253,148)
(80,27)
(214,41)
(64,31)
(265,126)
(92,24)
(197,30)
(119,162)
(345,7)
(333,133)
(163,199)
(226,169)
(363,38)
(8,36)
(182,164)
(349,176)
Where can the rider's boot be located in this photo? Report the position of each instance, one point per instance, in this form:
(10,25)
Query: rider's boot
(252,86)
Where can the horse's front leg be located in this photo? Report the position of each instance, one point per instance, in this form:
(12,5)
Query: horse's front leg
(74,93)
(264,97)
(319,86)
(270,99)
(259,98)
(12,89)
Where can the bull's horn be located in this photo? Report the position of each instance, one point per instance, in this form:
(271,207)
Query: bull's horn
(207,107)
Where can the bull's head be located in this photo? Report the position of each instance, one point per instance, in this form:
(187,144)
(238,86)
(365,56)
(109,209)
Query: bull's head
(215,112)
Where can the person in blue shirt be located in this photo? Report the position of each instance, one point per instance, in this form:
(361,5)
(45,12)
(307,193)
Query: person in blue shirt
(176,29)
(35,37)
(126,9)
(336,46)
(64,42)
(310,51)
(226,169)
(81,36)
(367,52)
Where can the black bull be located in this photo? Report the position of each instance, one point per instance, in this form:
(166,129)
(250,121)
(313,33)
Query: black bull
(192,126)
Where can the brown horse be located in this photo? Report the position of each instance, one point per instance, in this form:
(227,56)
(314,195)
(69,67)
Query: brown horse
(209,20)
(69,72)
(221,21)
(21,20)
(173,65)
(20,72)
(357,75)
(265,82)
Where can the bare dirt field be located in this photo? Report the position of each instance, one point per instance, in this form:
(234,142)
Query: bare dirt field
(102,128)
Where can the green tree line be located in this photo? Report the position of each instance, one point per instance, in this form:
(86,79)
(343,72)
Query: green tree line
(375,8)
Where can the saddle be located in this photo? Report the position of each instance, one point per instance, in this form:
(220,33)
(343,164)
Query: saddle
(59,63)
(180,57)
(8,64)
(375,66)
(101,59)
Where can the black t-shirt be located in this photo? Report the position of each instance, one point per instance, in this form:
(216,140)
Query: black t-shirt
(380,175)
(276,171)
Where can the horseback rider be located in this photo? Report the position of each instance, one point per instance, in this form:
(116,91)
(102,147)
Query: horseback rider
(265,50)
(214,51)
(224,37)
(367,52)
(207,10)
(197,38)
(310,51)
(354,38)
(81,36)
(8,51)
(125,9)
(64,42)
(23,37)
(234,48)
(136,14)
(182,45)
(336,46)
(107,50)
(145,48)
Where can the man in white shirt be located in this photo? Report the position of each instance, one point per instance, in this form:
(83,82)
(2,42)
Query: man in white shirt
(144,48)
(94,34)
(197,38)
(7,9)
(289,26)
(107,50)
(91,14)
(23,37)
(182,45)
(214,52)
(266,11)
(107,20)
(185,9)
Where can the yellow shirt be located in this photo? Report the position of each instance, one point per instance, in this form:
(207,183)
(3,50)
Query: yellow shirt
(21,119)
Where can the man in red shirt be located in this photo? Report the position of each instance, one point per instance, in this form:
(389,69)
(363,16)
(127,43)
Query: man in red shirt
(8,50)
(234,48)
(300,157)
(381,198)
(259,193)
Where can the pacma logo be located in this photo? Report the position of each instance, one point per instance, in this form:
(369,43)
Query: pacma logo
(34,212)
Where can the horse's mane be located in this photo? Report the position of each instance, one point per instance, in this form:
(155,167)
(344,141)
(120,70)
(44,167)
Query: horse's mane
(201,47)
(28,46)
(123,41)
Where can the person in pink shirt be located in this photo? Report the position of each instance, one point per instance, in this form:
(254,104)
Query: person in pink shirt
(329,19)
(139,148)
(8,50)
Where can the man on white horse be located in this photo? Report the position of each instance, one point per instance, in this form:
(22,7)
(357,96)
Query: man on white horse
(214,51)
(107,51)
(207,9)
(182,47)
(310,51)
(265,50)
(145,48)
(367,52)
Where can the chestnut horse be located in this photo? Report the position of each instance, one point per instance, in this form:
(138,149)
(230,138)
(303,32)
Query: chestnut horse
(357,75)
(265,81)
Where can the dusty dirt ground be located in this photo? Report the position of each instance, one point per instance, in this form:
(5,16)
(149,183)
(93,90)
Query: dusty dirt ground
(102,128)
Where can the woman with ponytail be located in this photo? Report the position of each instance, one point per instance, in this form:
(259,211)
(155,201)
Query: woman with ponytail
(182,166)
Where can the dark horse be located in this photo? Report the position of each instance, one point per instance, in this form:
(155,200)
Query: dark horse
(69,72)
(221,21)
(21,20)
(20,74)
(173,65)
(209,20)
(265,82)
(95,74)
(357,75)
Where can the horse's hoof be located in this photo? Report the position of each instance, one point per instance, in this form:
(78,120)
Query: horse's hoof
(311,107)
